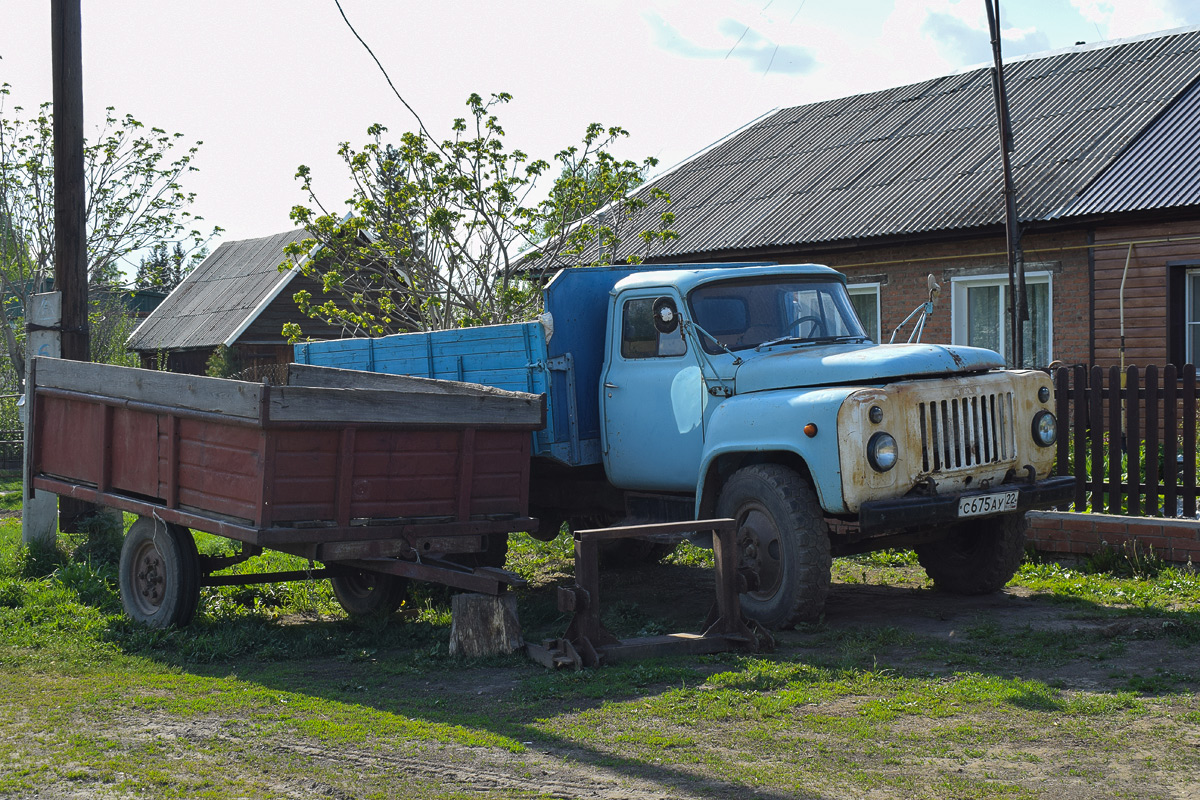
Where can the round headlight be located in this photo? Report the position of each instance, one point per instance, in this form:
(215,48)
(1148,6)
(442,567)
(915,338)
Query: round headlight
(1045,428)
(882,452)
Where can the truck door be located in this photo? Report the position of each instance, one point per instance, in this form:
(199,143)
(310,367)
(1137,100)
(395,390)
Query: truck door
(652,399)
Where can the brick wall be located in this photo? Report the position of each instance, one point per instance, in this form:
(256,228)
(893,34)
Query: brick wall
(1063,533)
(902,269)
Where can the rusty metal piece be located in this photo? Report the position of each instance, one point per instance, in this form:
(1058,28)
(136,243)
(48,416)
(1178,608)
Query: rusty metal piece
(588,643)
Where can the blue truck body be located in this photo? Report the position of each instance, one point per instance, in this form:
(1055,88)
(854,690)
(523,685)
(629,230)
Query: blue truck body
(517,356)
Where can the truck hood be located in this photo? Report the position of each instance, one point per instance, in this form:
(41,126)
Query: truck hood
(789,366)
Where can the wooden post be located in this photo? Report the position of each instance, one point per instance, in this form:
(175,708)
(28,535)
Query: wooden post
(484,625)
(70,218)
(39,512)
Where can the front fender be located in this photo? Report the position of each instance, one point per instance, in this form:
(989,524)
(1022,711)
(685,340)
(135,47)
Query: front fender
(774,421)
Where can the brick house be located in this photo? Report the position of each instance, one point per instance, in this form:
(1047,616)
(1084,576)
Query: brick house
(893,185)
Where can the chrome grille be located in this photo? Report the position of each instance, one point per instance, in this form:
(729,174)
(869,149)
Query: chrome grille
(965,432)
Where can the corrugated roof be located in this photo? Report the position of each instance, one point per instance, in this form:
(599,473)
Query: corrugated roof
(925,158)
(218,297)
(1160,170)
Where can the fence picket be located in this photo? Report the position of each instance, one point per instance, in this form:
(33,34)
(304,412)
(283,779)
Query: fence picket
(1096,406)
(1133,442)
(1153,439)
(1080,433)
(1189,440)
(1170,440)
(1114,440)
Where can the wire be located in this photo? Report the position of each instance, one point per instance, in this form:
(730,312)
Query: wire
(735,44)
(386,77)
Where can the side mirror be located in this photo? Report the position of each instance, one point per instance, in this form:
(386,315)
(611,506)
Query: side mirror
(666,315)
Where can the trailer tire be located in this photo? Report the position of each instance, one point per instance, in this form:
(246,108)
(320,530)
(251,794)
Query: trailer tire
(783,539)
(369,594)
(977,557)
(159,573)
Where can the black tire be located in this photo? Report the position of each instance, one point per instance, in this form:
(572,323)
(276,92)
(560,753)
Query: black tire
(977,557)
(369,594)
(159,574)
(783,539)
(549,525)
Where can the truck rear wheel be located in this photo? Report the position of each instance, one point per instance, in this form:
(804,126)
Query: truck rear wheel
(978,557)
(159,573)
(369,594)
(783,539)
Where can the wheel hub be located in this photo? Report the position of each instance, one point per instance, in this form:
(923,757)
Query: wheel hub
(149,579)
(758,543)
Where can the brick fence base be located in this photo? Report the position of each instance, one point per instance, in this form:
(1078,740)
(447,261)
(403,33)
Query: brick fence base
(1176,540)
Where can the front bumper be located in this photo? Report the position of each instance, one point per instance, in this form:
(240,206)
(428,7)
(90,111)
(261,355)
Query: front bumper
(902,513)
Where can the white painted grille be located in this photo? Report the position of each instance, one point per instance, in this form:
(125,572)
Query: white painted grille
(965,432)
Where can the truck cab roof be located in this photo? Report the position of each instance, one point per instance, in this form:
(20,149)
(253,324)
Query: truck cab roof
(687,279)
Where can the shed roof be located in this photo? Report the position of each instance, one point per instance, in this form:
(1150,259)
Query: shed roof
(220,297)
(925,158)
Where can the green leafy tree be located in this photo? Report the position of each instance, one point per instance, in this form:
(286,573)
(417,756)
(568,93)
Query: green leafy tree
(451,233)
(134,201)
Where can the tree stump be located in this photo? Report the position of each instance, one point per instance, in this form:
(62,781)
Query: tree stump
(484,625)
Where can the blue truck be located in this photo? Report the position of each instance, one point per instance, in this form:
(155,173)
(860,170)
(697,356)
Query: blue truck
(751,391)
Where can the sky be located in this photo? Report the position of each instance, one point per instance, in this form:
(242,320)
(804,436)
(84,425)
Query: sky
(270,85)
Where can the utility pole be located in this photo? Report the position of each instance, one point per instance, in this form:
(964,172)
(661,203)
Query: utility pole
(70,237)
(1018,310)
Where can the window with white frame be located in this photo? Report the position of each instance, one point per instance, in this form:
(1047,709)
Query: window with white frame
(979,313)
(865,299)
(1192,319)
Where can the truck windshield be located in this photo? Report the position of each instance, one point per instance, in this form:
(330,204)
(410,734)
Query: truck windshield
(752,313)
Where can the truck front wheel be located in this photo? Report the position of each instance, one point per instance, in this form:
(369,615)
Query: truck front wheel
(978,557)
(783,540)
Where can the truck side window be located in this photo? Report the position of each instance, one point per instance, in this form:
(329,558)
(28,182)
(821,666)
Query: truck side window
(639,337)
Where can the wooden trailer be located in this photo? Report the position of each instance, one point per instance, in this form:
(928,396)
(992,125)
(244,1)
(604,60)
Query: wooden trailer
(381,478)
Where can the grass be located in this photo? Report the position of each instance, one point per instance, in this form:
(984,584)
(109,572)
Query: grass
(273,692)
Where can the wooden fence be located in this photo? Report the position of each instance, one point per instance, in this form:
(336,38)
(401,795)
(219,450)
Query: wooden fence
(1130,443)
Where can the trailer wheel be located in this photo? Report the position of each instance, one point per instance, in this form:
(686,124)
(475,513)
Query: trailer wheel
(159,573)
(978,557)
(783,540)
(369,594)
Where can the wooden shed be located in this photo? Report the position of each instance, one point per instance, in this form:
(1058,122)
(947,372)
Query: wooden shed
(237,297)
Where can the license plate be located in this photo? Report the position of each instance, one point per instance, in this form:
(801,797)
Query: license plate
(980,504)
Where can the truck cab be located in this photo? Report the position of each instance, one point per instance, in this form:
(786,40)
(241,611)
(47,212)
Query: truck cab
(757,393)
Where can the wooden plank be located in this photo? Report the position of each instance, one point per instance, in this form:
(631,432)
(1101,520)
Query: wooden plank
(1153,439)
(334,378)
(305,404)
(1133,441)
(1114,442)
(1081,408)
(1188,396)
(344,478)
(1097,449)
(1170,440)
(466,473)
(198,393)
